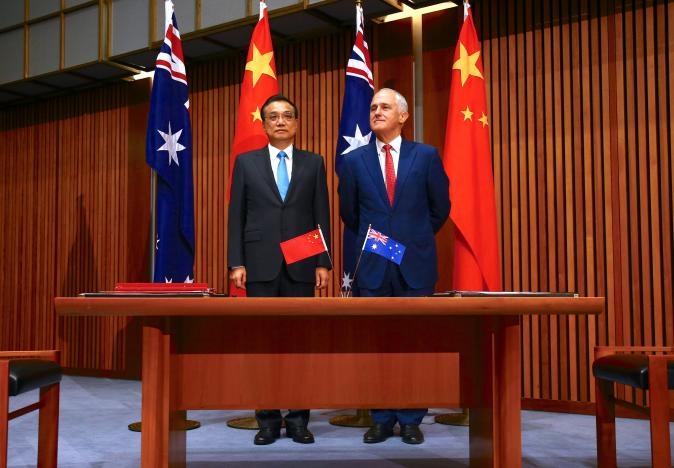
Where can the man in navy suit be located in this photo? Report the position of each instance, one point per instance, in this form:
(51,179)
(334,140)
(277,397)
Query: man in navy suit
(278,192)
(401,189)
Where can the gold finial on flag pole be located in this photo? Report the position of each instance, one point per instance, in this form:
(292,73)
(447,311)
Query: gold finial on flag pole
(359,2)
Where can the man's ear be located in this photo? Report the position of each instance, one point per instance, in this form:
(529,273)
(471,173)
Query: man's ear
(402,118)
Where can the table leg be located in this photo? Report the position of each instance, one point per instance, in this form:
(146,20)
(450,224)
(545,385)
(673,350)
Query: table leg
(494,388)
(162,442)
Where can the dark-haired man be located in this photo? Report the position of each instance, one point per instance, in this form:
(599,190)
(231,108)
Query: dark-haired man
(278,192)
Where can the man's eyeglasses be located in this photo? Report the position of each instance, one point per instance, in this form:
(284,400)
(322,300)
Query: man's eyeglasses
(286,116)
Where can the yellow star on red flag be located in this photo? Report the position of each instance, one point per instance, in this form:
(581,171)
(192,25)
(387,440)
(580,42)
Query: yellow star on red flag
(467,64)
(260,64)
(467,114)
(256,114)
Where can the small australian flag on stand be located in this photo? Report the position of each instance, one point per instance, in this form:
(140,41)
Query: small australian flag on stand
(377,243)
(169,153)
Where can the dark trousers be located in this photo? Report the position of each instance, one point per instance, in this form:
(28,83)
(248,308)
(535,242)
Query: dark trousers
(281,286)
(394,285)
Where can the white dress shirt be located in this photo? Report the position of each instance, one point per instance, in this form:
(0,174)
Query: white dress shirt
(273,158)
(395,153)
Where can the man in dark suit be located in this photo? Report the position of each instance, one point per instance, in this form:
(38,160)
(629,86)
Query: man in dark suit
(401,189)
(278,192)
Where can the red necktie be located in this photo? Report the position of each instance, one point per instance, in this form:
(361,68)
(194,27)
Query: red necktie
(390,174)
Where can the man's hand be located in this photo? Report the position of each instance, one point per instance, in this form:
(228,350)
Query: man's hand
(321,277)
(238,275)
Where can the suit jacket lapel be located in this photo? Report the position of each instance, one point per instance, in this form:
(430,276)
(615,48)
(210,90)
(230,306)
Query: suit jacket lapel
(408,153)
(372,164)
(264,167)
(297,171)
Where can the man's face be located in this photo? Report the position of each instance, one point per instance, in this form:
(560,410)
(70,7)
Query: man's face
(386,118)
(280,123)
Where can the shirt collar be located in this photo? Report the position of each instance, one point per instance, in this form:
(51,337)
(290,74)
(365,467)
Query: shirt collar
(273,152)
(395,144)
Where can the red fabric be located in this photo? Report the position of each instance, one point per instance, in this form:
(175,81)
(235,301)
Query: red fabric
(249,133)
(304,246)
(161,287)
(390,174)
(468,162)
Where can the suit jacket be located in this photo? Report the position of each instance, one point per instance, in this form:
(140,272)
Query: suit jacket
(420,208)
(259,220)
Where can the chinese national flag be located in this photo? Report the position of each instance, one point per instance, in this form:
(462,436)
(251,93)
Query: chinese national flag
(304,246)
(468,163)
(259,82)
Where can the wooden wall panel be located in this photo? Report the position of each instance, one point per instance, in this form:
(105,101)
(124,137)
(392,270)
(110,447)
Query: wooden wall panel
(75,193)
(580,95)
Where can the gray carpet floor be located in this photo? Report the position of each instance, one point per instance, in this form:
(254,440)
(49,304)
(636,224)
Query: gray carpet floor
(95,413)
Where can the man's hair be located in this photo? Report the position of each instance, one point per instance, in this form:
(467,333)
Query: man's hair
(402,102)
(276,98)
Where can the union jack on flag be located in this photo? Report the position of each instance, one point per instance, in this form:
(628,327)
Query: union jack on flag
(354,129)
(169,152)
(377,236)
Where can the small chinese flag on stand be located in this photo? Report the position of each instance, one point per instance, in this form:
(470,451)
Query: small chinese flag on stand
(304,246)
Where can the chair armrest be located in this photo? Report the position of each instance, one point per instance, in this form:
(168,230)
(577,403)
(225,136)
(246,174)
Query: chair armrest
(50,355)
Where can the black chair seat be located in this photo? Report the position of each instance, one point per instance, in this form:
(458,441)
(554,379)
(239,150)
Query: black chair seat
(29,374)
(628,369)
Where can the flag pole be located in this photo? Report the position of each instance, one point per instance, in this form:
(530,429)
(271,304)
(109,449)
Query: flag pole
(355,270)
(320,231)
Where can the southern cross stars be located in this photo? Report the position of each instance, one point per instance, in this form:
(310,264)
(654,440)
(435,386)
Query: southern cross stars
(357,140)
(466,64)
(171,144)
(260,65)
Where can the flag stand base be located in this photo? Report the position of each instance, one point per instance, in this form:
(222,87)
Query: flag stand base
(188,426)
(454,419)
(360,419)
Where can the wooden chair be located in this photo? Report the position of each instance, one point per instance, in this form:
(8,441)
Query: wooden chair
(23,371)
(651,372)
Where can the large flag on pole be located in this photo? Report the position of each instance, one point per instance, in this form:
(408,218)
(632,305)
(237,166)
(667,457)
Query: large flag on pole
(169,152)
(354,128)
(468,163)
(259,83)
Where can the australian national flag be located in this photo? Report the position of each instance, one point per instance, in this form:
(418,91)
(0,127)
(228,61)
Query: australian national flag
(169,153)
(379,244)
(354,128)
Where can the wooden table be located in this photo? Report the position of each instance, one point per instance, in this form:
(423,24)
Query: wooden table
(245,353)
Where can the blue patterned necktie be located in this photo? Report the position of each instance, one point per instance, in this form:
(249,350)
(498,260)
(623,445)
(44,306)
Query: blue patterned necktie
(282,175)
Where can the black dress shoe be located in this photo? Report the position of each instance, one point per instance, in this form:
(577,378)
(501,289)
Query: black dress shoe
(266,436)
(377,433)
(411,434)
(300,434)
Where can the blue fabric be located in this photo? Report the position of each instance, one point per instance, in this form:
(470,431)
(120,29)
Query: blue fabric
(389,417)
(354,130)
(169,153)
(394,285)
(282,180)
(420,208)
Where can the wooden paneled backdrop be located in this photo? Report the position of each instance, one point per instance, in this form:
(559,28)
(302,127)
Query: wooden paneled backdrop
(581,96)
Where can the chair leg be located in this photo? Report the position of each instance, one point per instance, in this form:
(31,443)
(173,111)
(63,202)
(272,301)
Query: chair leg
(4,412)
(48,431)
(606,438)
(658,397)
